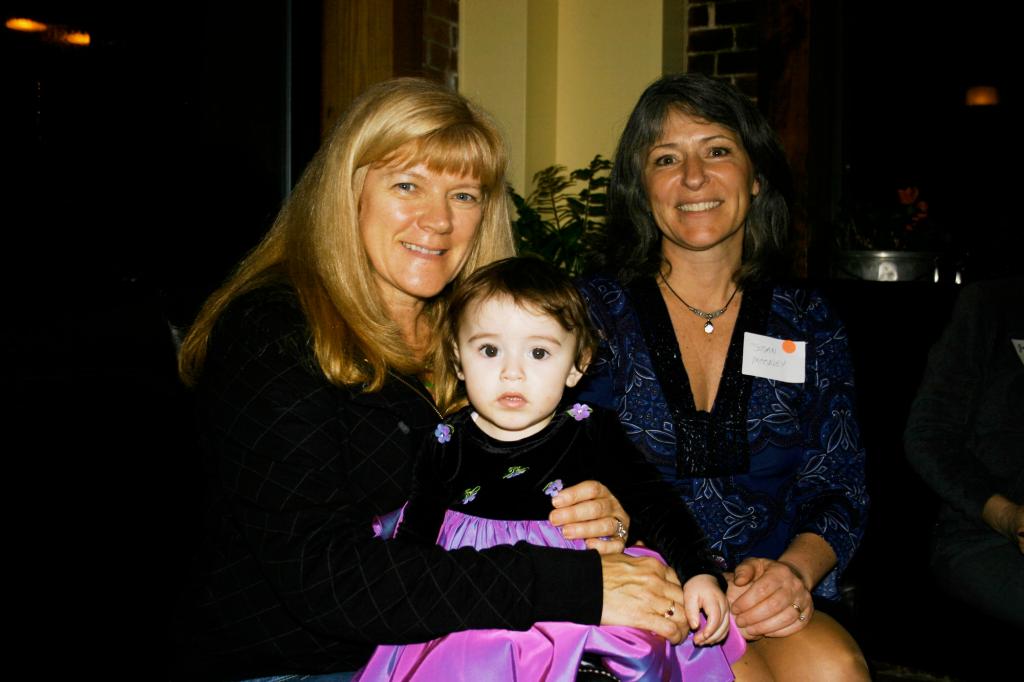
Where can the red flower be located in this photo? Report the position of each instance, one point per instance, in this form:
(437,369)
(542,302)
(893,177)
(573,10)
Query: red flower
(908,195)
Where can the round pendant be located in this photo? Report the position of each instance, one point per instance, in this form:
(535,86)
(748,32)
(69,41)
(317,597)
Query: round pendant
(708,328)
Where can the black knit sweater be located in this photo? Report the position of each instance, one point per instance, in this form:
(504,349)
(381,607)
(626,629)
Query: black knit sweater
(290,578)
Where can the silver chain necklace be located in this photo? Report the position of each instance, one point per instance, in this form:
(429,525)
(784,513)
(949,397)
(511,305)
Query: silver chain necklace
(708,325)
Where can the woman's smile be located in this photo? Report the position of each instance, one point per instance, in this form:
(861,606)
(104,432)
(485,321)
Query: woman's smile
(699,181)
(417,226)
(700,206)
(416,248)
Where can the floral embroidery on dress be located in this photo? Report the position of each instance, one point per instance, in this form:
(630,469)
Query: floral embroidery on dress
(553,488)
(579,411)
(443,433)
(515,471)
(469,494)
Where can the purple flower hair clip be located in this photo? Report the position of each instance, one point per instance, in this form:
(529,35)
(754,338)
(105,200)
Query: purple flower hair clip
(580,411)
(443,433)
(553,488)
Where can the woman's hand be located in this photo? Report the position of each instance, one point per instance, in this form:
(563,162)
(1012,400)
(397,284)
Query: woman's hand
(589,511)
(1006,518)
(1016,526)
(1019,527)
(642,592)
(701,593)
(769,598)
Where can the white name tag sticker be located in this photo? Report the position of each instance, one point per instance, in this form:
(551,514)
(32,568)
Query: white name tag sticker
(771,358)
(1018,345)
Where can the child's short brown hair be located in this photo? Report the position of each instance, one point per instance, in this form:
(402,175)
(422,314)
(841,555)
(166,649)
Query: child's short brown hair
(530,283)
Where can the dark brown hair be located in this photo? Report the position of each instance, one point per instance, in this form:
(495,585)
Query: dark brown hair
(632,241)
(530,283)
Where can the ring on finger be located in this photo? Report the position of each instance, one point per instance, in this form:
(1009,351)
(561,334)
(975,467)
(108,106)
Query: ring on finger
(671,610)
(620,529)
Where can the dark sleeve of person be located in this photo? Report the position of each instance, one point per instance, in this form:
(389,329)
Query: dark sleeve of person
(939,428)
(829,496)
(431,493)
(658,515)
(303,466)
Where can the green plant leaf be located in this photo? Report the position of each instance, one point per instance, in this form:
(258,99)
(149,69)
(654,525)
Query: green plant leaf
(563,213)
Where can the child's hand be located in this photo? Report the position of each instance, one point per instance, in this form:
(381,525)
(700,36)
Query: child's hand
(701,593)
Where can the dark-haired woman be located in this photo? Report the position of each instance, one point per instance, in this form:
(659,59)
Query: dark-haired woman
(737,386)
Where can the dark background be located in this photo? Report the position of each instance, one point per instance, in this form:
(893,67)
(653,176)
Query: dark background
(138,170)
(905,69)
(162,151)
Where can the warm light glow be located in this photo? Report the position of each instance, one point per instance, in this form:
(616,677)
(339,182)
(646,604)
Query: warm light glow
(53,33)
(77,38)
(982,96)
(27,25)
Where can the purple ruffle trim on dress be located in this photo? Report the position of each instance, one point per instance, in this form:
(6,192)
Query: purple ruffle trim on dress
(385,525)
(547,651)
(462,530)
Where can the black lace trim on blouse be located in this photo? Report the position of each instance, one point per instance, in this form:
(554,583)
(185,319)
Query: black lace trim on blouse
(708,444)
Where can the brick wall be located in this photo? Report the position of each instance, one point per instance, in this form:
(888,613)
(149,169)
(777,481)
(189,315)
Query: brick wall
(441,41)
(722,41)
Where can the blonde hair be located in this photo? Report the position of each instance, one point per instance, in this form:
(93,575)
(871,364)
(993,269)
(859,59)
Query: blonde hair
(315,243)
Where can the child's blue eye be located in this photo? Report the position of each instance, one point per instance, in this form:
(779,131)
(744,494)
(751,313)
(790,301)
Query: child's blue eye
(489,351)
(539,353)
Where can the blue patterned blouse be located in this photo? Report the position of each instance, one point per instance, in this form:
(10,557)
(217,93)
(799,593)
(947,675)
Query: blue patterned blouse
(771,459)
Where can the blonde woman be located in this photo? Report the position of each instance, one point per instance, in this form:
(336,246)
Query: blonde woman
(311,369)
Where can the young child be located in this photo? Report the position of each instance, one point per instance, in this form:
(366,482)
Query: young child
(518,334)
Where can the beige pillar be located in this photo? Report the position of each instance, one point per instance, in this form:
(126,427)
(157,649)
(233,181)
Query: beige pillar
(561,76)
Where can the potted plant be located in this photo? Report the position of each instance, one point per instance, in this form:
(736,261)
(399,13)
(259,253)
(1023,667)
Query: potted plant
(560,219)
(891,237)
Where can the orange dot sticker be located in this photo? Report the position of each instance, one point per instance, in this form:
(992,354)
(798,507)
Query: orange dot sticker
(772,358)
